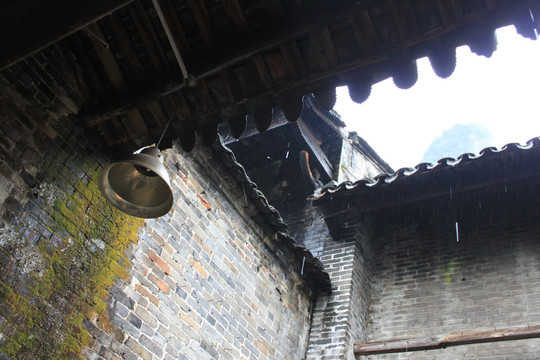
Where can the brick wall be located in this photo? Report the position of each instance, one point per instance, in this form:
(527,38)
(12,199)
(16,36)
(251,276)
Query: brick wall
(339,318)
(426,282)
(306,226)
(204,284)
(61,245)
(205,281)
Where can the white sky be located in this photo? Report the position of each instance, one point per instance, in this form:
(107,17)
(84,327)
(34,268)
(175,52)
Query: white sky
(501,93)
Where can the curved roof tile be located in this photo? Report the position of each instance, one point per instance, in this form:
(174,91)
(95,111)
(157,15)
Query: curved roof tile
(314,272)
(404,174)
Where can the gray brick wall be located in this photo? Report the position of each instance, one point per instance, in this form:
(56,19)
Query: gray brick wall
(204,284)
(426,282)
(307,227)
(339,318)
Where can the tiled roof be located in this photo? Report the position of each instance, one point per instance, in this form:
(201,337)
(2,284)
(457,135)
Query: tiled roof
(491,163)
(312,270)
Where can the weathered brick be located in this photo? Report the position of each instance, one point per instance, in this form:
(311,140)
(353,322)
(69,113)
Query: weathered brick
(146,317)
(159,262)
(139,349)
(198,268)
(162,286)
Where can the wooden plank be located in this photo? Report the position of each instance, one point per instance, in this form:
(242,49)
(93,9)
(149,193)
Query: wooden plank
(157,113)
(234,10)
(200,12)
(364,31)
(126,45)
(264,74)
(338,129)
(399,21)
(148,34)
(207,103)
(89,72)
(171,82)
(119,131)
(318,50)
(443,341)
(446,15)
(293,58)
(107,59)
(118,81)
(328,46)
(406,22)
(231,86)
(27,26)
(456,10)
(314,145)
(181,107)
(136,126)
(273,7)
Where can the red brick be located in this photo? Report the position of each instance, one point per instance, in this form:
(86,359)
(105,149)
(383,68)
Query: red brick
(161,285)
(160,263)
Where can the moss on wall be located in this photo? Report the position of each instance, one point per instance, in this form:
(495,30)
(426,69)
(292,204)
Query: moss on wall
(43,319)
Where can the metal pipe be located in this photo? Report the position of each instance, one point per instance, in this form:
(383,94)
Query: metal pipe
(171,38)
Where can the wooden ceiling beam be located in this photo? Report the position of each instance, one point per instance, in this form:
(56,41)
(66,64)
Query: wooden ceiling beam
(314,146)
(295,62)
(234,10)
(106,58)
(328,46)
(364,31)
(203,20)
(126,46)
(149,36)
(262,70)
(27,26)
(171,82)
(116,77)
(318,51)
(406,22)
(288,29)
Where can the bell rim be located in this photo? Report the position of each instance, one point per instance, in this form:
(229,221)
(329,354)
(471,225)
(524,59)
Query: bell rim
(147,212)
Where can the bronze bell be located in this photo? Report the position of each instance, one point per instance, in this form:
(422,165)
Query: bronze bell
(138,185)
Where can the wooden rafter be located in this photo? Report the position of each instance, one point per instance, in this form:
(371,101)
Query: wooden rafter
(268,51)
(50,22)
(314,145)
(203,20)
(148,35)
(405,20)
(364,31)
(328,46)
(126,45)
(106,58)
(234,10)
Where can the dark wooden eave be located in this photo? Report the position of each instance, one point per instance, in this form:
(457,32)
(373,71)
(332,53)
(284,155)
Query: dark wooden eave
(27,26)
(121,71)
